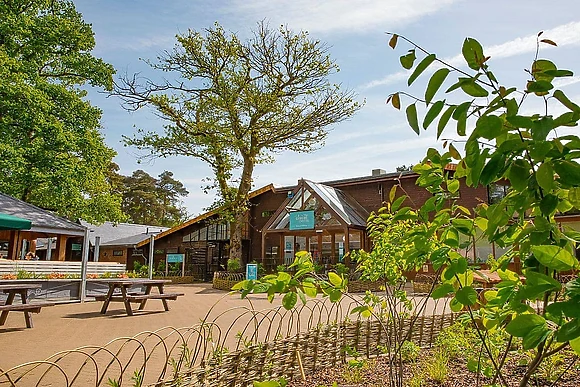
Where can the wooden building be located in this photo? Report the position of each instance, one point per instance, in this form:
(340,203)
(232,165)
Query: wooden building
(327,219)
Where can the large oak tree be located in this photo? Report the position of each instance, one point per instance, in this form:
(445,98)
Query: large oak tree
(236,104)
(51,151)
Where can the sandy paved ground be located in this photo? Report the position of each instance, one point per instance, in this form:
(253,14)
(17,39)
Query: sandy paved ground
(68,326)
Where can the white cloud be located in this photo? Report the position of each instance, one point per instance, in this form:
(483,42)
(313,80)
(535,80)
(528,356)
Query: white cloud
(563,35)
(563,82)
(340,15)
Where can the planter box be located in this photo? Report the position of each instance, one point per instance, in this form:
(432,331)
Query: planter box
(224,280)
(188,279)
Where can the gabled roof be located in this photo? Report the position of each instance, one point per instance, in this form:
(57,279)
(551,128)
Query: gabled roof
(253,194)
(110,231)
(343,207)
(42,220)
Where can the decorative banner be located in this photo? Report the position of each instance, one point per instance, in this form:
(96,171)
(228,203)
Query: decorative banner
(174,258)
(251,271)
(302,220)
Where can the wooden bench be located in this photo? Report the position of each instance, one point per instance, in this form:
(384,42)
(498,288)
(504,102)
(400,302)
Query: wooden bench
(119,292)
(164,296)
(26,308)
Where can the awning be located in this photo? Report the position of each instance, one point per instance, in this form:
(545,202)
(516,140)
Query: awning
(9,222)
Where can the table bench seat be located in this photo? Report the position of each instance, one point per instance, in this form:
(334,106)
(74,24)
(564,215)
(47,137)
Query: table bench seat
(164,296)
(34,308)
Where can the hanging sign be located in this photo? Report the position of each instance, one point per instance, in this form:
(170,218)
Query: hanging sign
(302,220)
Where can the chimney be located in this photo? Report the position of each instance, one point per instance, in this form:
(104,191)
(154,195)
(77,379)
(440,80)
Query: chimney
(378,172)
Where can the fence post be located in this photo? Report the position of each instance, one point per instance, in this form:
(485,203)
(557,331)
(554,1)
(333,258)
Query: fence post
(151,247)
(85,263)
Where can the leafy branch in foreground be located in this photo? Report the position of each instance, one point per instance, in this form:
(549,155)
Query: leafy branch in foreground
(531,154)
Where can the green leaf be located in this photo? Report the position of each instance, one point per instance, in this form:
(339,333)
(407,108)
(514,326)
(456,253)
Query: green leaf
(519,174)
(301,295)
(444,119)
(435,83)
(575,345)
(455,305)
(569,331)
(473,53)
(408,60)
(310,289)
(489,127)
(474,89)
(421,67)
(335,295)
(541,128)
(560,96)
(492,169)
(466,295)
(539,87)
(545,176)
(442,291)
(453,186)
(460,114)
(520,121)
(335,279)
(432,113)
(412,117)
(574,196)
(267,383)
(559,73)
(523,323)
(548,204)
(554,257)
(289,300)
(568,172)
(539,68)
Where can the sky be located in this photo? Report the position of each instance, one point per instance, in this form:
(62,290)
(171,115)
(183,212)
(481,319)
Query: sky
(128,32)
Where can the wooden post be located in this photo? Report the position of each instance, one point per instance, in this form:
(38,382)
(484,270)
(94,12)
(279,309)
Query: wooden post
(61,247)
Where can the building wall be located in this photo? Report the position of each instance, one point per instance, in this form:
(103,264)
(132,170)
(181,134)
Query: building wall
(106,254)
(262,209)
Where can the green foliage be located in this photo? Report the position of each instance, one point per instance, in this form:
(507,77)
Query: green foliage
(156,202)
(52,153)
(409,351)
(437,366)
(299,285)
(234,265)
(269,94)
(503,143)
(271,383)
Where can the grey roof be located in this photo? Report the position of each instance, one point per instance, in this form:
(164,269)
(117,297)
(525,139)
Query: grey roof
(42,220)
(128,241)
(118,232)
(345,206)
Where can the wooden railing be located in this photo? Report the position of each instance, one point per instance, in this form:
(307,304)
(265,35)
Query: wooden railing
(67,267)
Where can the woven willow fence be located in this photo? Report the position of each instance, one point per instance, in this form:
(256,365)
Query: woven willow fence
(254,345)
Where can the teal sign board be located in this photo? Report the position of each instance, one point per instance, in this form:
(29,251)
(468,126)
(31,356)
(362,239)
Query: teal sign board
(302,220)
(252,271)
(173,258)
(76,247)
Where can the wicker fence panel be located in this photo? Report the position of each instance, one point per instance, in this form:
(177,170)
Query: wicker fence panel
(257,345)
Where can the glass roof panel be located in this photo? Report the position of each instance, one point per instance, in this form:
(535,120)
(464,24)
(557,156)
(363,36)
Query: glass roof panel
(351,212)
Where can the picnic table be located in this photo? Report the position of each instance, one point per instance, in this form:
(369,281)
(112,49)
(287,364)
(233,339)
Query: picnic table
(120,291)
(22,289)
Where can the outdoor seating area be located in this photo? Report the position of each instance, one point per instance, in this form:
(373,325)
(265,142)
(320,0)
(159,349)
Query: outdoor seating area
(123,290)
(22,290)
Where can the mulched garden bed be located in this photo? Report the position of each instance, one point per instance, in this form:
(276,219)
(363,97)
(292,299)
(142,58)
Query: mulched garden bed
(375,373)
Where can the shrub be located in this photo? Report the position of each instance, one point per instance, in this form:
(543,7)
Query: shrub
(234,265)
(409,351)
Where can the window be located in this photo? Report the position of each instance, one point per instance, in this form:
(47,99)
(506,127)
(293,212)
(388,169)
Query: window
(117,253)
(496,192)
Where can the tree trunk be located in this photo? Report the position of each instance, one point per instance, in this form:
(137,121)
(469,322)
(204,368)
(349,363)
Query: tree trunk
(240,209)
